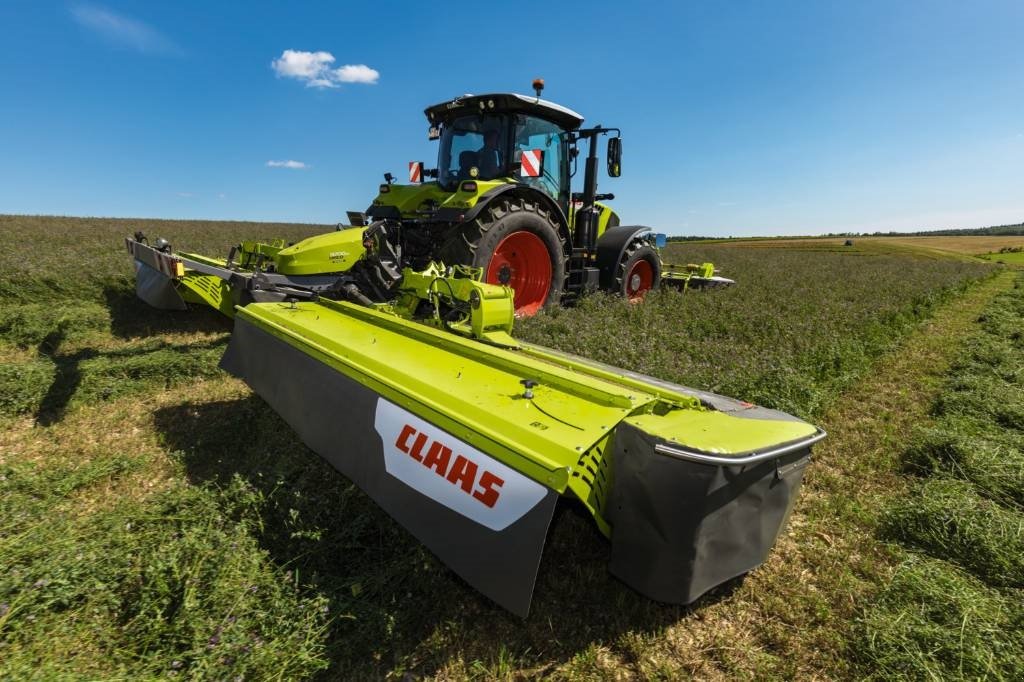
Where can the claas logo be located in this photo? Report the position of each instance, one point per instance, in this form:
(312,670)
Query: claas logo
(461,472)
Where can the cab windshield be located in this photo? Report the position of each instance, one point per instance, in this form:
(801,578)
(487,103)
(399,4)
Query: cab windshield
(473,148)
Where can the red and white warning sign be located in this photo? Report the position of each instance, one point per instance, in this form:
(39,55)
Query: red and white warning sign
(453,472)
(415,171)
(532,162)
(162,262)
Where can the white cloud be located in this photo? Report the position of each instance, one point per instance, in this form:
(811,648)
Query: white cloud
(186,195)
(123,31)
(302,65)
(296,165)
(314,69)
(357,73)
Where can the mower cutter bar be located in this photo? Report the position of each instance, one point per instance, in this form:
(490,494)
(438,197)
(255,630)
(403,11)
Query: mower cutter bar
(442,433)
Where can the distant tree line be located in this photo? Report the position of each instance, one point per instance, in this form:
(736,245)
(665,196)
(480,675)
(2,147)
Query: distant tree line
(693,238)
(1005,230)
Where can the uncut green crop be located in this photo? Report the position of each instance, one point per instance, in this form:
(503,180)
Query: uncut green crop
(796,328)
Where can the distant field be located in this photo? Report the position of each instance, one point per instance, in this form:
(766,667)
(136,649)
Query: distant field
(159,520)
(967,244)
(972,245)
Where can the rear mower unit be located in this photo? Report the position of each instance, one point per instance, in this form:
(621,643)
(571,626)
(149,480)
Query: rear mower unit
(387,347)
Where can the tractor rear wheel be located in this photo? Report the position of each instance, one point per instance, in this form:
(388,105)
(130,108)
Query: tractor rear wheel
(517,244)
(639,271)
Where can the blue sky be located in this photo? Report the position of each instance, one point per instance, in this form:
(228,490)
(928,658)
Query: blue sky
(738,118)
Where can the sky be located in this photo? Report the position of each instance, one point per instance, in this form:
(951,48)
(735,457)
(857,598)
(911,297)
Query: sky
(738,118)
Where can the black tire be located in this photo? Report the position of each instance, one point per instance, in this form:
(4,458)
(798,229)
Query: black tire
(475,243)
(631,268)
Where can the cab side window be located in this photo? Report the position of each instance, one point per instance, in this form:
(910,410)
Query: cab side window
(532,133)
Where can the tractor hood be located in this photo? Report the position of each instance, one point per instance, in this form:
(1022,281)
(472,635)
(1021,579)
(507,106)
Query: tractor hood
(428,200)
(331,252)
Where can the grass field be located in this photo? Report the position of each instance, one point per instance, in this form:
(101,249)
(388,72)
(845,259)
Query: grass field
(157,519)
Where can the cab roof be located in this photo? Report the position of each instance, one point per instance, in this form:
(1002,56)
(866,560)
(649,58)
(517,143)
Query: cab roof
(504,102)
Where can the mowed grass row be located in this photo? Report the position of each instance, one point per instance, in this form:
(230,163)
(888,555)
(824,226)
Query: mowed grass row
(157,519)
(955,607)
(116,563)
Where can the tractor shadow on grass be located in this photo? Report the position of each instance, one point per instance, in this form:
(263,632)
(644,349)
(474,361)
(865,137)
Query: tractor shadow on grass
(128,368)
(67,376)
(132,318)
(397,608)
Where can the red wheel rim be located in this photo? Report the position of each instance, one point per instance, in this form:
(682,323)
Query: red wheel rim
(522,262)
(639,281)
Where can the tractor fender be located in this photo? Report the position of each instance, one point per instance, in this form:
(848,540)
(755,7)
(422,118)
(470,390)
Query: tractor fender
(612,245)
(524,192)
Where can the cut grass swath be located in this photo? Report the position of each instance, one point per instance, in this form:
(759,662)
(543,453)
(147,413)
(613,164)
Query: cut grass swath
(935,620)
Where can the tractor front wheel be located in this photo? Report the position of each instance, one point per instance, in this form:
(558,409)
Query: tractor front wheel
(517,244)
(639,271)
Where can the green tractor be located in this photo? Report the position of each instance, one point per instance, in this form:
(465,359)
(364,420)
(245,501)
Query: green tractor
(499,209)
(501,199)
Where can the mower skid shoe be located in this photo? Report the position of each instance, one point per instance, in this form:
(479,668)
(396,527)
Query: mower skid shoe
(156,288)
(367,437)
(681,527)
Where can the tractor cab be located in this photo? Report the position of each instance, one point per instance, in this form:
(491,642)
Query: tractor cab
(485,137)
(501,201)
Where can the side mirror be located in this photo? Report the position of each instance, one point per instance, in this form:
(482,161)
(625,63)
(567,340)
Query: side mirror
(614,157)
(660,240)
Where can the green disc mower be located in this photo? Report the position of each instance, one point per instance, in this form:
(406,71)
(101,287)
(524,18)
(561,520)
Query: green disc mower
(387,346)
